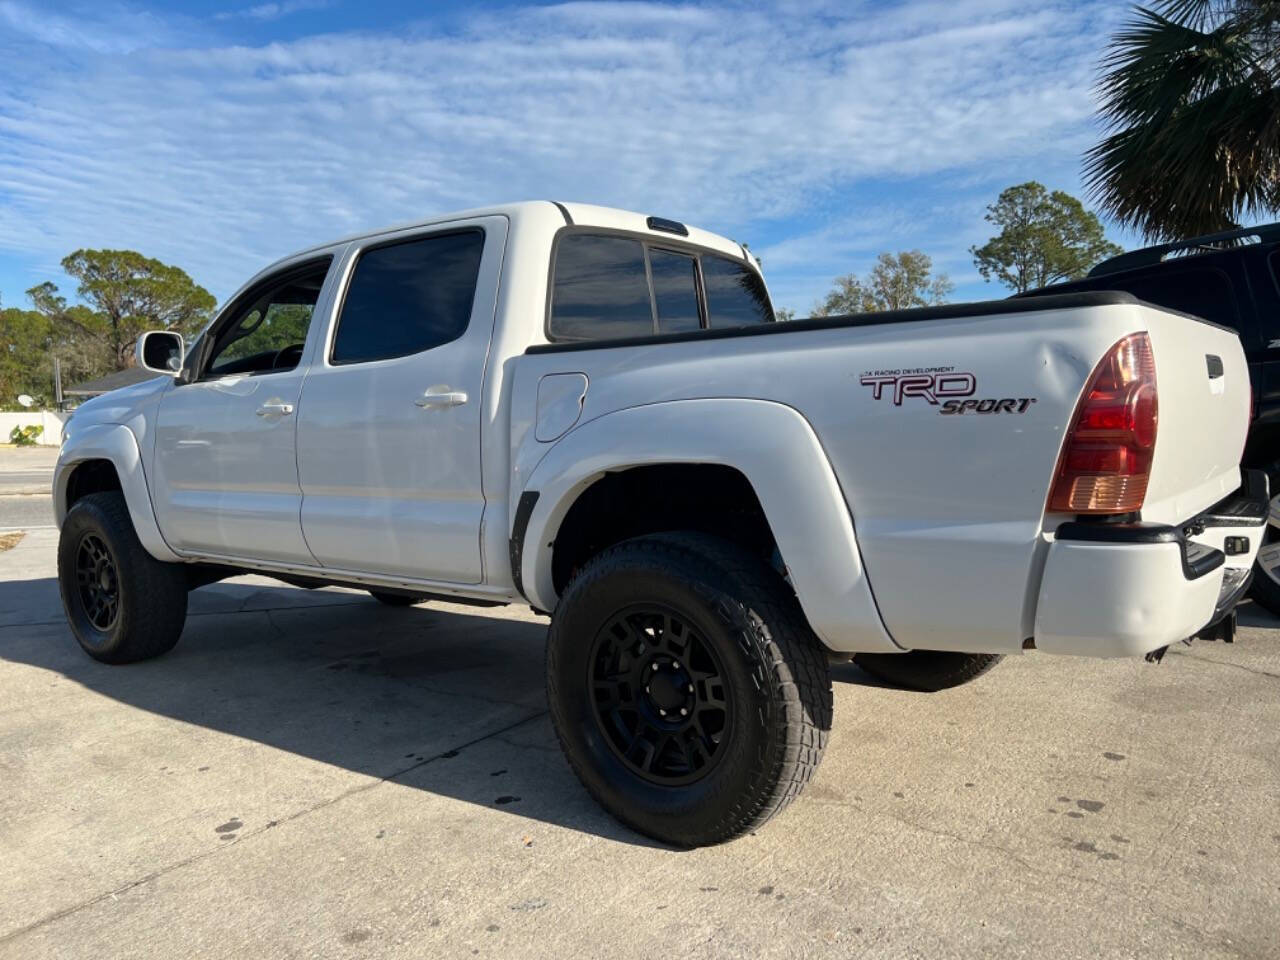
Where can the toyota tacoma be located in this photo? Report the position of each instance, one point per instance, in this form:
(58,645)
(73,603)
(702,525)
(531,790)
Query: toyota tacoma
(595,413)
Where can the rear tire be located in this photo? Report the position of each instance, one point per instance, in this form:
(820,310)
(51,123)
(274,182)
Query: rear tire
(123,604)
(1265,588)
(927,670)
(395,599)
(688,692)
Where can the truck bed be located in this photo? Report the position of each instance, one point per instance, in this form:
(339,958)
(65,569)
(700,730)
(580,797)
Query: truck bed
(943,427)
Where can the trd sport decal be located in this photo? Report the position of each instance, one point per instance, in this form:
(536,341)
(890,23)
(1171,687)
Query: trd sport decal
(940,386)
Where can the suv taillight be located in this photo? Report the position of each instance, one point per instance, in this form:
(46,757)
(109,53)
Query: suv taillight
(1106,460)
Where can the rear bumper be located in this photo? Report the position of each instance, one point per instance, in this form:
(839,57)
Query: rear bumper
(1127,589)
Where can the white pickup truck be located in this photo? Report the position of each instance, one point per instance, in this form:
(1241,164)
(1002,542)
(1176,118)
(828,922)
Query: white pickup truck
(594,412)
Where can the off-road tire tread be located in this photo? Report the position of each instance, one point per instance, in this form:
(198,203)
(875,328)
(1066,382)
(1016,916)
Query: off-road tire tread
(927,670)
(790,663)
(152,627)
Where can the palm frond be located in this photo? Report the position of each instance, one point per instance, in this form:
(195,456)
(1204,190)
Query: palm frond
(1155,65)
(1194,13)
(1191,106)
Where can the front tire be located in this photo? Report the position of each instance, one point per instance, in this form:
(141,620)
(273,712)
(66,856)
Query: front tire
(688,692)
(123,605)
(927,670)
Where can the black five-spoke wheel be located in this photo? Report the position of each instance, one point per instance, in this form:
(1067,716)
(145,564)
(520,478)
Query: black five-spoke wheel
(659,695)
(98,582)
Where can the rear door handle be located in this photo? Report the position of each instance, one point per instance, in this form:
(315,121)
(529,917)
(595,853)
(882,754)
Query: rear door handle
(275,408)
(441,396)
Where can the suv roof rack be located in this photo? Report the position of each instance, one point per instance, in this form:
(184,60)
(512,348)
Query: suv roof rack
(1265,233)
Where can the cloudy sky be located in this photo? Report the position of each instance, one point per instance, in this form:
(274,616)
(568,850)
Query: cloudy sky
(221,136)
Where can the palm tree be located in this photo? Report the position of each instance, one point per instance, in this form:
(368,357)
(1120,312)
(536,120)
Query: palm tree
(1191,105)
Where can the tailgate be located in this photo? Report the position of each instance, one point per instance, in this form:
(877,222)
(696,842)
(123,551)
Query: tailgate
(1202,380)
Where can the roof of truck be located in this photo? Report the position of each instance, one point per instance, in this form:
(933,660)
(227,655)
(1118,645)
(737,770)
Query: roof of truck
(561,214)
(572,214)
(553,212)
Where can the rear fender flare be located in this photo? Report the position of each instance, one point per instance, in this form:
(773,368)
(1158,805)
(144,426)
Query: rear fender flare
(114,442)
(774,447)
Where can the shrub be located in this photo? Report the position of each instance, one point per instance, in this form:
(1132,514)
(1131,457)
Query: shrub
(25,436)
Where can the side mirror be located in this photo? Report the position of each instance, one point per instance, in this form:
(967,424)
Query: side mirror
(161,351)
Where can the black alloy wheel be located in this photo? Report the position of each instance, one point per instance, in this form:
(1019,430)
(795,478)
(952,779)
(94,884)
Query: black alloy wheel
(688,691)
(659,695)
(122,604)
(97,582)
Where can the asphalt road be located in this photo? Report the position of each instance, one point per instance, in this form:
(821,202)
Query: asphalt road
(26,476)
(39,477)
(315,775)
(23,511)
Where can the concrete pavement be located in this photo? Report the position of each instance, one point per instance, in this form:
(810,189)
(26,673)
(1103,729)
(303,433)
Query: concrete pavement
(310,774)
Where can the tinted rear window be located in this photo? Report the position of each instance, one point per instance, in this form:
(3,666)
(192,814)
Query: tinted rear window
(409,297)
(601,290)
(736,296)
(675,290)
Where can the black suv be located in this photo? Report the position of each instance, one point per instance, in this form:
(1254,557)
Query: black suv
(1232,279)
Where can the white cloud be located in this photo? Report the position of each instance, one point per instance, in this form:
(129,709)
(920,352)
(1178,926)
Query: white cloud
(737,117)
(273,11)
(103,28)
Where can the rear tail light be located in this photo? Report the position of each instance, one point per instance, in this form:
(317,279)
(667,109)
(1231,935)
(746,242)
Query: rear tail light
(1106,460)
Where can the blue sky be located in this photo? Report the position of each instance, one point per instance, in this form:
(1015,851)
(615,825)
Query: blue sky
(221,136)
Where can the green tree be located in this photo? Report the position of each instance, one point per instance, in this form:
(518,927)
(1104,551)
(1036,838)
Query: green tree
(1191,105)
(1044,238)
(126,294)
(897,281)
(26,339)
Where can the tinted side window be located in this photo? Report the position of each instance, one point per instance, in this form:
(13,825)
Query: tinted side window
(409,297)
(675,291)
(600,290)
(736,295)
(1204,293)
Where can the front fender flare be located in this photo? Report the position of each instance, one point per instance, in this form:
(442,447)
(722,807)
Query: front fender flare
(114,442)
(774,447)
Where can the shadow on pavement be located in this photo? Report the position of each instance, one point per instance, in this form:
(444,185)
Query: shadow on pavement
(402,694)
(1250,613)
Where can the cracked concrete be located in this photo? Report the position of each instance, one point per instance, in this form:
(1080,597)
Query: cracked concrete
(313,774)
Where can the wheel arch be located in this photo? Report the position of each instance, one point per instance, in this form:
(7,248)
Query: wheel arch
(780,461)
(105,457)
(711,498)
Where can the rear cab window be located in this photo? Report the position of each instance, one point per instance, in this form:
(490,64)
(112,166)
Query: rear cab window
(607,286)
(736,296)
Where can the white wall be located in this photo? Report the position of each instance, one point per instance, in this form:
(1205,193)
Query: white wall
(51,421)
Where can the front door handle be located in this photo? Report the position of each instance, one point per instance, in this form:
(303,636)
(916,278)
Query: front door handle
(441,396)
(275,408)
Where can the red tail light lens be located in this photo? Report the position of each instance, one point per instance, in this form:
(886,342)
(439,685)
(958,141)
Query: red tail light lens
(1106,460)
